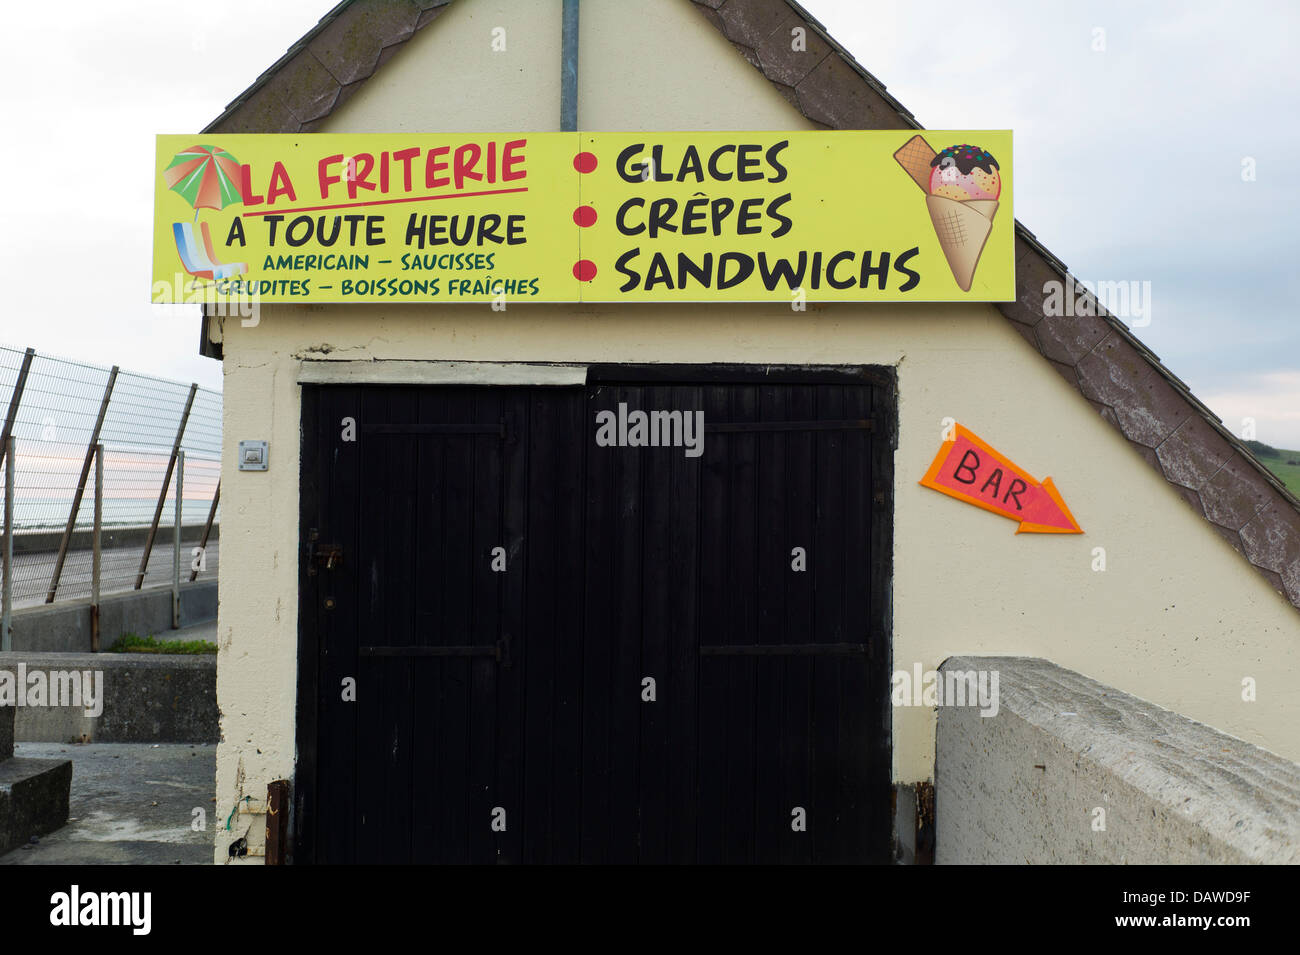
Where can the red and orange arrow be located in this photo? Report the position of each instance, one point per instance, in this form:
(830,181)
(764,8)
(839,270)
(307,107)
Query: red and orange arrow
(968,469)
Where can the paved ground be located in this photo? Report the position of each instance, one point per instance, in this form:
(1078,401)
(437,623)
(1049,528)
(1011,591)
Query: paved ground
(118,567)
(199,631)
(131,803)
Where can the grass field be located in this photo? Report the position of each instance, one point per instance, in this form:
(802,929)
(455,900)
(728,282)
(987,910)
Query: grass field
(1289,473)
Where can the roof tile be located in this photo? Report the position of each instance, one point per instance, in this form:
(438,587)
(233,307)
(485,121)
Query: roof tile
(1031,275)
(263,111)
(347,92)
(710,14)
(1280,585)
(1112,370)
(1067,372)
(306,87)
(1272,541)
(781,62)
(1023,248)
(748,23)
(429,15)
(1026,331)
(1194,453)
(1151,411)
(1149,456)
(1108,414)
(1234,540)
(748,53)
(388,52)
(1193,500)
(789,93)
(833,93)
(349,47)
(1068,338)
(1235,494)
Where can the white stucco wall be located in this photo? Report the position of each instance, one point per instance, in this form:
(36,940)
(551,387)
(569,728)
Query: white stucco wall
(1178,618)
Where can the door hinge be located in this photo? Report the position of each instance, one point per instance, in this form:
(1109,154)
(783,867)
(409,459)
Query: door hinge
(499,651)
(783,650)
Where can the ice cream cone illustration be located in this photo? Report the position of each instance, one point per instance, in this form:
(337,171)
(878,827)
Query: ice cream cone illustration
(962,186)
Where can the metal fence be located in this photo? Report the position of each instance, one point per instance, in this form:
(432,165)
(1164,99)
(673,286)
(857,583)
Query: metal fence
(92,459)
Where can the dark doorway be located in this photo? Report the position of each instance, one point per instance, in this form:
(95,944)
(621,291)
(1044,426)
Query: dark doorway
(567,652)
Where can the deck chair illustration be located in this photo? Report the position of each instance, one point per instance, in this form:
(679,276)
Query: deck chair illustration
(201,261)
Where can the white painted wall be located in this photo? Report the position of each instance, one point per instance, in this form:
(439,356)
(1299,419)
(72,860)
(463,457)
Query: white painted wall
(1179,618)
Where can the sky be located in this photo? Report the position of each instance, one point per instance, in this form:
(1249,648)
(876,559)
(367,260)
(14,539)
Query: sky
(1152,145)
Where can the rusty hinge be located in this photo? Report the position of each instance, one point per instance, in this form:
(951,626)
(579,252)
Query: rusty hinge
(278,848)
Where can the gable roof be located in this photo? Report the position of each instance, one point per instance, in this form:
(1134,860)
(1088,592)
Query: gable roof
(1121,378)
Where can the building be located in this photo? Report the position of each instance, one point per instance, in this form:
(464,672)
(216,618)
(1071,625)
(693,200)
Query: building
(1201,547)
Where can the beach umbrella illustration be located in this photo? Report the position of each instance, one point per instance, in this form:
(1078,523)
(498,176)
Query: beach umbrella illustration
(207,177)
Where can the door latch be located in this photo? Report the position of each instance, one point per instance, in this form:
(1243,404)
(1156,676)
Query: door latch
(327,556)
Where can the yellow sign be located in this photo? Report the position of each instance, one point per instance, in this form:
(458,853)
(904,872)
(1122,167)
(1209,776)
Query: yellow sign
(860,216)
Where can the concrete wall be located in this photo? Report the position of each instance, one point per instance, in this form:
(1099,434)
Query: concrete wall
(1065,754)
(65,627)
(7,715)
(1178,617)
(147,698)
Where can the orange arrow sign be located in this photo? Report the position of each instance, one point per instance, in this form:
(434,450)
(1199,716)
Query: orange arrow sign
(970,470)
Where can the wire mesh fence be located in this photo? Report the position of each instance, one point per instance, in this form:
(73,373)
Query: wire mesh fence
(68,421)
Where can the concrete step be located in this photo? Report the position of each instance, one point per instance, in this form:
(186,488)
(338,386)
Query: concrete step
(33,798)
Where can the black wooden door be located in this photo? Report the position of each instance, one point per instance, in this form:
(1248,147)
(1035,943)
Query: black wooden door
(564,652)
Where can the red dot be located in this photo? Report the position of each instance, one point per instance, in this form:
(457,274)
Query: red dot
(584,270)
(584,216)
(584,162)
